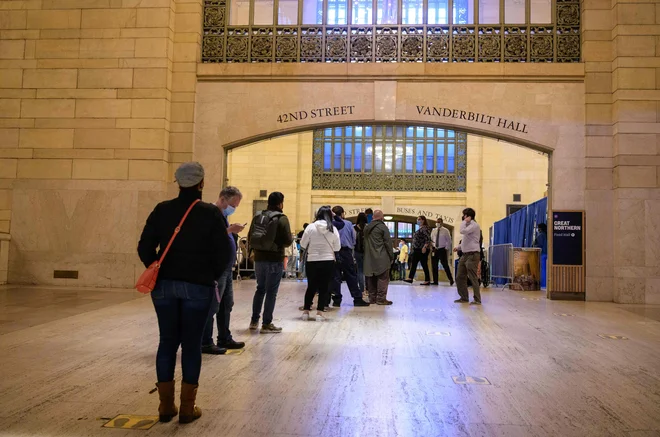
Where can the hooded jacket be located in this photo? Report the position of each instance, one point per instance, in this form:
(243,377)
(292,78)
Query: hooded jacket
(319,243)
(378,250)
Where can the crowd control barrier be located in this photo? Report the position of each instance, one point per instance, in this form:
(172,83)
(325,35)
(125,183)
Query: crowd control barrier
(501,264)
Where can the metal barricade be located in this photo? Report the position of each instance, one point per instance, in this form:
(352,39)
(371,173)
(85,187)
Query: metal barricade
(244,266)
(500,257)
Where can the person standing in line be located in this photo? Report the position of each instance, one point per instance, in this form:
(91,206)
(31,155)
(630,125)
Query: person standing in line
(321,241)
(370,214)
(230,198)
(345,266)
(378,257)
(403,258)
(441,242)
(269,235)
(301,252)
(420,251)
(292,259)
(360,224)
(469,263)
(184,291)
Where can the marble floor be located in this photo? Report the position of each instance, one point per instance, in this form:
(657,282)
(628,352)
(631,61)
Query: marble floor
(70,359)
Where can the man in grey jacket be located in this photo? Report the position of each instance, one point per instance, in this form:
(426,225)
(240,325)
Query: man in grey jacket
(468,265)
(378,257)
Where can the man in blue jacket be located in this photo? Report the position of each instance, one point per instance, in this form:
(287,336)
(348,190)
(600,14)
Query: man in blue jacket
(229,200)
(345,265)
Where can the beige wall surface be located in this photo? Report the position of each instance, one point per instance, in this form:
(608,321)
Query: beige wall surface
(96,101)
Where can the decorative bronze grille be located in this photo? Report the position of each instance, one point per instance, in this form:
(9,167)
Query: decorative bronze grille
(555,42)
(373,174)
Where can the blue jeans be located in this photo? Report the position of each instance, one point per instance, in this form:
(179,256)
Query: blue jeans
(269,276)
(359,261)
(222,311)
(182,309)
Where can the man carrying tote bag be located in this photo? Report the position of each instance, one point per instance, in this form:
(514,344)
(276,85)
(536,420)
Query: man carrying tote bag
(199,250)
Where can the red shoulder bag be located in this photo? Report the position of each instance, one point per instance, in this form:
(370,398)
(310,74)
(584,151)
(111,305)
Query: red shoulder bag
(147,281)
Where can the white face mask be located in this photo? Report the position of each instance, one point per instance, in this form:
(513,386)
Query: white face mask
(439,225)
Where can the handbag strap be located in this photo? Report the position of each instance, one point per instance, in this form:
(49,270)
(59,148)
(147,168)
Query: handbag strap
(176,232)
(331,248)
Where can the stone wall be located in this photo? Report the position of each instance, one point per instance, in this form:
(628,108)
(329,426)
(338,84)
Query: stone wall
(97,101)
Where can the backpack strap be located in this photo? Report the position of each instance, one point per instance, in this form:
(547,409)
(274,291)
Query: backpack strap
(176,231)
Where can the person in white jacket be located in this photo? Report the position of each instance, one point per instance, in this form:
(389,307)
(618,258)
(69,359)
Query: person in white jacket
(320,241)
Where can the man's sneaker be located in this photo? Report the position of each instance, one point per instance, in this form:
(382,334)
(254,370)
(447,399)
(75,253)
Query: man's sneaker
(320,317)
(461,301)
(254,326)
(212,349)
(360,303)
(384,302)
(305,316)
(270,329)
(475,302)
(232,344)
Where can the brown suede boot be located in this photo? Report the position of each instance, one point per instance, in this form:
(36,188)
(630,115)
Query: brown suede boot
(189,411)
(166,410)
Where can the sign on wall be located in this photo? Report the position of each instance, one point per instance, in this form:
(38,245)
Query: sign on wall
(567,238)
(567,278)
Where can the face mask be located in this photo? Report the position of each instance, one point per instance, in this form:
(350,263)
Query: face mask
(229,210)
(369,218)
(439,225)
(400,245)
(420,223)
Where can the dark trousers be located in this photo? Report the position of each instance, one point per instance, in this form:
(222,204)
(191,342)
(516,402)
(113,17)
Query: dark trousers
(345,266)
(182,309)
(377,286)
(359,263)
(222,311)
(467,268)
(269,276)
(319,274)
(416,257)
(441,256)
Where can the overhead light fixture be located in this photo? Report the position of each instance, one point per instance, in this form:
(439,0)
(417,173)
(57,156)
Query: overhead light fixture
(388,217)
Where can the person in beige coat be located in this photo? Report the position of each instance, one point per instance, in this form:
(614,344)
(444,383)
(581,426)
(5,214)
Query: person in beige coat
(378,257)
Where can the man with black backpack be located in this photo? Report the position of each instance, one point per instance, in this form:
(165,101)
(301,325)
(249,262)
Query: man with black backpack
(269,235)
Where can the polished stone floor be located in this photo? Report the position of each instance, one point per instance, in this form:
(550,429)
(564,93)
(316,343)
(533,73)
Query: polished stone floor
(71,359)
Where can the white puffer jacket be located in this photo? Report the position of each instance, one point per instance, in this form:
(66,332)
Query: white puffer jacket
(320,243)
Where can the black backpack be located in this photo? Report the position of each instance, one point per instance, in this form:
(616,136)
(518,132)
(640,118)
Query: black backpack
(264,231)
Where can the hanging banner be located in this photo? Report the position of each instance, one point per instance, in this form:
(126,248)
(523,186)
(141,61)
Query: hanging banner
(567,278)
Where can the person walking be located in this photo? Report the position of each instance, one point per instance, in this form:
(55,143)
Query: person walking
(229,199)
(420,251)
(360,224)
(541,241)
(184,291)
(403,259)
(345,266)
(269,235)
(378,257)
(321,241)
(441,243)
(469,262)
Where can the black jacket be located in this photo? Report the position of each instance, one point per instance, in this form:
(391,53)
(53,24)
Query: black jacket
(201,251)
(282,239)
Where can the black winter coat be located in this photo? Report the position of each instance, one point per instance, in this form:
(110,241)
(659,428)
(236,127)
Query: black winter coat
(201,251)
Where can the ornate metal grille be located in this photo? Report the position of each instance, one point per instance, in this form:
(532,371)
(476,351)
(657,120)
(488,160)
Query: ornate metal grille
(558,41)
(389,158)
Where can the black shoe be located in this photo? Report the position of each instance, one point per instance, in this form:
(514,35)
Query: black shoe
(436,283)
(410,281)
(231,344)
(476,302)
(451,283)
(461,301)
(384,302)
(336,304)
(425,283)
(213,350)
(360,303)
